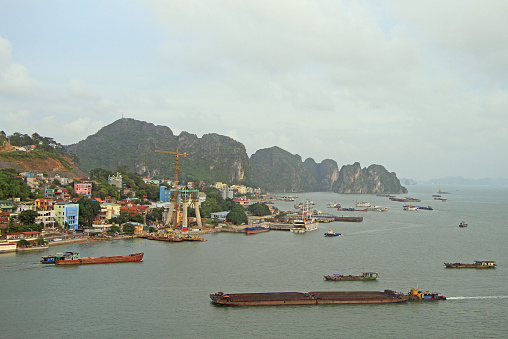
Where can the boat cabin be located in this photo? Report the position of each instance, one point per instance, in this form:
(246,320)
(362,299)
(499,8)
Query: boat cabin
(370,274)
(485,263)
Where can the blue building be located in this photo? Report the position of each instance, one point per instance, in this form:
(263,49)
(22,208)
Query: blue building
(49,192)
(164,194)
(67,215)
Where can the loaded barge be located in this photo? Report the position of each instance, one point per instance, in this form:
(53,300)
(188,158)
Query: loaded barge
(320,298)
(73,258)
(476,264)
(364,276)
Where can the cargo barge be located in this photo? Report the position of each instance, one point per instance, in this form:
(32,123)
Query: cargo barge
(256,229)
(476,264)
(364,276)
(351,219)
(310,298)
(73,258)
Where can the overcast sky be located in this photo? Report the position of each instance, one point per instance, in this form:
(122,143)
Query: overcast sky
(418,87)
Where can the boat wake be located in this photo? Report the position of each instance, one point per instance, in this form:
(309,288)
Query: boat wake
(484,297)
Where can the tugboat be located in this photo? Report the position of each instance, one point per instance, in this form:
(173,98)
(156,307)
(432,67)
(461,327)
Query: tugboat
(463,224)
(331,233)
(364,276)
(417,295)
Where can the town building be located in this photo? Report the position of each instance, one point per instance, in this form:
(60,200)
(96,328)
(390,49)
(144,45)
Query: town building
(67,215)
(164,194)
(83,188)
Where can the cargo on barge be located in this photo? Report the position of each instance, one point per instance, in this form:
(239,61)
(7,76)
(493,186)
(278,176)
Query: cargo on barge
(73,258)
(310,298)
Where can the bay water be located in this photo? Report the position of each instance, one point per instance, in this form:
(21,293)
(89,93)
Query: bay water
(167,294)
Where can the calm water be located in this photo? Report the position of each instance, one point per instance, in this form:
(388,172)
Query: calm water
(166,295)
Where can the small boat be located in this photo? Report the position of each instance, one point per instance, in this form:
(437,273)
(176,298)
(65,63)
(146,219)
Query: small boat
(331,233)
(476,264)
(364,276)
(442,199)
(463,224)
(189,237)
(410,208)
(418,295)
(363,204)
(428,208)
(73,258)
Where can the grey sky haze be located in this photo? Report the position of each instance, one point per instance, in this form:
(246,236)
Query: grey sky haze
(420,88)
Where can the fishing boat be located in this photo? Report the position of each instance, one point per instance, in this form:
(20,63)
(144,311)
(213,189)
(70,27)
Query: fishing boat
(73,258)
(364,276)
(476,264)
(331,233)
(463,224)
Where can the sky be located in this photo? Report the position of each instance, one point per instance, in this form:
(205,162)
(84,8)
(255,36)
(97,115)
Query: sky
(418,87)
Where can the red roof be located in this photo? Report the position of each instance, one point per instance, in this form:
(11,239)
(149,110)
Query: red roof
(25,233)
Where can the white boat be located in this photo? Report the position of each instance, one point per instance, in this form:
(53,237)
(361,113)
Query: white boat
(410,208)
(333,205)
(307,222)
(378,209)
(363,204)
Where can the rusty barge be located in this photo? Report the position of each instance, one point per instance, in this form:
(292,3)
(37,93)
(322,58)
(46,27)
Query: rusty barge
(72,258)
(310,298)
(476,264)
(364,276)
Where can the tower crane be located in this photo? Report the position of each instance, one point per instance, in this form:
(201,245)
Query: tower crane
(174,198)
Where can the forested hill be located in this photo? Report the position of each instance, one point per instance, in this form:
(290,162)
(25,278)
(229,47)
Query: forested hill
(213,157)
(132,143)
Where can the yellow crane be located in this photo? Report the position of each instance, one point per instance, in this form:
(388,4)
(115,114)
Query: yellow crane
(174,197)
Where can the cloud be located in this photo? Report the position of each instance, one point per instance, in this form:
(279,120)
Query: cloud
(14,78)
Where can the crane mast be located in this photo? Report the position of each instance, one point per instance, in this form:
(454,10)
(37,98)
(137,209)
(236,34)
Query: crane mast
(173,217)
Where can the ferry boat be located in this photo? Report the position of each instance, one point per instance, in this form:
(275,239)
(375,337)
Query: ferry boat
(73,258)
(364,276)
(476,264)
(463,224)
(256,229)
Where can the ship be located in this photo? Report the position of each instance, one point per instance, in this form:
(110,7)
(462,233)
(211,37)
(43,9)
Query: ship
(363,204)
(309,298)
(256,229)
(428,208)
(73,258)
(307,222)
(463,224)
(476,264)
(364,276)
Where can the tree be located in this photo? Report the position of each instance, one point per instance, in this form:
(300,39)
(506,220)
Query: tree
(237,215)
(27,217)
(88,211)
(259,209)
(128,228)
(114,229)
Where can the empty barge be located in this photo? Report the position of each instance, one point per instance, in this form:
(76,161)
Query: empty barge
(310,298)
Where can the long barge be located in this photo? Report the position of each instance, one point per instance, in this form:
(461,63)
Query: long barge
(476,264)
(350,219)
(364,276)
(310,298)
(72,258)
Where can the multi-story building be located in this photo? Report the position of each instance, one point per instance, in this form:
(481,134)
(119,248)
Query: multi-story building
(66,215)
(44,204)
(109,210)
(164,194)
(115,180)
(83,188)
(46,217)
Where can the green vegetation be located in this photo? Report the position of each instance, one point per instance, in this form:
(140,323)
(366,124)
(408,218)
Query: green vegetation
(12,186)
(25,222)
(128,228)
(88,210)
(42,143)
(237,215)
(258,209)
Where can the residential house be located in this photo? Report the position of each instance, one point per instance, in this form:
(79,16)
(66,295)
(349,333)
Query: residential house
(83,188)
(66,214)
